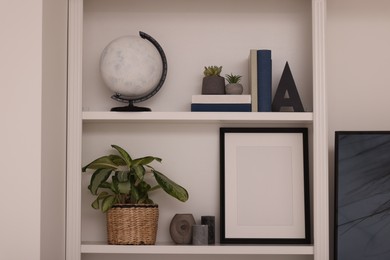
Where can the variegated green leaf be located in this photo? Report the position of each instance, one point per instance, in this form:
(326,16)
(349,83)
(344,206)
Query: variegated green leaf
(101,196)
(123,176)
(105,185)
(146,160)
(114,184)
(170,187)
(98,177)
(104,162)
(107,203)
(139,171)
(124,154)
(117,160)
(95,204)
(124,187)
(135,196)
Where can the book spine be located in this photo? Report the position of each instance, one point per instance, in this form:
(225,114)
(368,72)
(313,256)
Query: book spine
(221,107)
(253,78)
(264,80)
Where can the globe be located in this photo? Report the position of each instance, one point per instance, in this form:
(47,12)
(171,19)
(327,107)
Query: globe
(133,67)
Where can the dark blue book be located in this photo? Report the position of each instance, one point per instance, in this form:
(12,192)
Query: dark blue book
(264,80)
(221,107)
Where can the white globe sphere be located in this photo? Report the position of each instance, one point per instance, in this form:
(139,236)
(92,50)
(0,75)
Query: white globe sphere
(131,66)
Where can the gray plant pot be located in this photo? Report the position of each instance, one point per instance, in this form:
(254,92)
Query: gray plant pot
(213,85)
(234,89)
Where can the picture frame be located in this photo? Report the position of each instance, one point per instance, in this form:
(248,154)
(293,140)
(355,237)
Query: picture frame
(362,192)
(264,186)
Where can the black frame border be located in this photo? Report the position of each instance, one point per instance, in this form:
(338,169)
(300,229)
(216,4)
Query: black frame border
(307,213)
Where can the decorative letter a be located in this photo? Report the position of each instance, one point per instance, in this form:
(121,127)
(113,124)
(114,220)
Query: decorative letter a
(287,94)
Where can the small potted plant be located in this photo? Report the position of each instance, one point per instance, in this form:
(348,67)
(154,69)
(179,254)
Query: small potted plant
(131,215)
(233,87)
(213,83)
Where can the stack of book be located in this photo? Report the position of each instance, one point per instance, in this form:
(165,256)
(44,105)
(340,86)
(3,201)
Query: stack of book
(260,80)
(260,83)
(221,103)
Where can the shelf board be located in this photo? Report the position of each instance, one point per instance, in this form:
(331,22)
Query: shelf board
(238,117)
(218,249)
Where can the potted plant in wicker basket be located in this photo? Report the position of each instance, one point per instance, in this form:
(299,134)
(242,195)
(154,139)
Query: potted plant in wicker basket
(213,83)
(132,216)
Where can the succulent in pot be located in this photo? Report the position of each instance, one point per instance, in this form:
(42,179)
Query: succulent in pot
(233,87)
(128,184)
(213,83)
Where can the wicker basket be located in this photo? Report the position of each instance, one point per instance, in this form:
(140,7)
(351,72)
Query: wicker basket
(130,224)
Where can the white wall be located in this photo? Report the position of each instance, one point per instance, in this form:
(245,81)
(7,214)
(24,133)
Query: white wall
(358,62)
(33,131)
(357,77)
(20,106)
(54,66)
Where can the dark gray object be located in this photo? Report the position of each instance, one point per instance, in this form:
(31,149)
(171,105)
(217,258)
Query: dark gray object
(213,85)
(362,195)
(287,94)
(210,222)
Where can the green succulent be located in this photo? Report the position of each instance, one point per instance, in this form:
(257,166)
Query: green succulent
(212,71)
(127,184)
(233,78)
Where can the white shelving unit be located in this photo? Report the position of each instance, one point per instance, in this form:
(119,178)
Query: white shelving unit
(293,29)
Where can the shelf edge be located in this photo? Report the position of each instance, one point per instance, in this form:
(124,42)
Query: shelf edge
(278,117)
(100,248)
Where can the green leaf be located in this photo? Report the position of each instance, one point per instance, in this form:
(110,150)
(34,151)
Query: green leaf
(123,176)
(126,157)
(139,171)
(134,195)
(98,177)
(105,185)
(107,203)
(114,184)
(95,204)
(124,187)
(116,159)
(144,187)
(146,160)
(170,187)
(101,196)
(155,188)
(104,162)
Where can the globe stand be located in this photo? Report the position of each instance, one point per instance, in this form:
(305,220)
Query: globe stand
(128,108)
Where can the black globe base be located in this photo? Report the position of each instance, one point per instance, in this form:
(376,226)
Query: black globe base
(130,108)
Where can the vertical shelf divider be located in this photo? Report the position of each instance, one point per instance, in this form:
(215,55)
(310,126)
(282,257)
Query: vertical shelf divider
(320,136)
(74,131)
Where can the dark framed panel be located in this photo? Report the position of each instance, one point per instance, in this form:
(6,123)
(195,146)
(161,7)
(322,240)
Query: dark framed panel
(362,195)
(264,186)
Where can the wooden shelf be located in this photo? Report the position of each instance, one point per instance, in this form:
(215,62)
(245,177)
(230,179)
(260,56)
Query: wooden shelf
(238,117)
(96,248)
